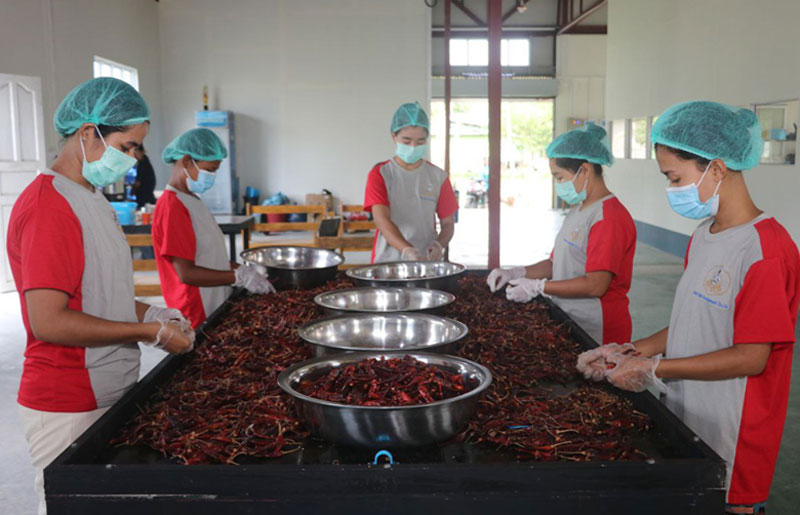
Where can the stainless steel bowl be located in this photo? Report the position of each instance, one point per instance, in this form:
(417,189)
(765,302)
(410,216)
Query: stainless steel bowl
(295,267)
(388,427)
(366,332)
(438,275)
(384,300)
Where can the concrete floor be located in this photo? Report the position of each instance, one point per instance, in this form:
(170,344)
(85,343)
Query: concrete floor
(656,275)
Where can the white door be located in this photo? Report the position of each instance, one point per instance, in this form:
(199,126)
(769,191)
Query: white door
(22,151)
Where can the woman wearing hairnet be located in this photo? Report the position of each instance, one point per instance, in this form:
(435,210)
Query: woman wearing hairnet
(589,271)
(406,193)
(728,347)
(193,266)
(73,271)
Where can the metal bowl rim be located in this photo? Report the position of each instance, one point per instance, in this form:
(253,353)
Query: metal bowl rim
(449,298)
(338,255)
(283,380)
(303,330)
(352,271)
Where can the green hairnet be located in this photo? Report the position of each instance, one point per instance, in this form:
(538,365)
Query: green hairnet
(408,115)
(712,131)
(201,144)
(589,142)
(101,101)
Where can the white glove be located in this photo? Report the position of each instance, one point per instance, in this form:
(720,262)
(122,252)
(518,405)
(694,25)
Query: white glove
(634,373)
(167,331)
(251,280)
(410,254)
(592,363)
(525,290)
(435,251)
(158,314)
(499,277)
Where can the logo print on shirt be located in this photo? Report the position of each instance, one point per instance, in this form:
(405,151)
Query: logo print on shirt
(574,238)
(718,281)
(426,192)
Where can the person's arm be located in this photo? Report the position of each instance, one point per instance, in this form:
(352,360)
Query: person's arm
(652,345)
(593,284)
(736,361)
(194,275)
(541,270)
(52,321)
(448,228)
(380,214)
(141,309)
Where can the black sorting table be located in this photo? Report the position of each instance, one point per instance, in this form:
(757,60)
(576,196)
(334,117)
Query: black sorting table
(230,225)
(91,477)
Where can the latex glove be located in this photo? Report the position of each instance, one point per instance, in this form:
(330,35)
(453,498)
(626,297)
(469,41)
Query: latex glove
(251,280)
(525,290)
(158,314)
(499,277)
(634,373)
(171,338)
(435,251)
(592,363)
(410,254)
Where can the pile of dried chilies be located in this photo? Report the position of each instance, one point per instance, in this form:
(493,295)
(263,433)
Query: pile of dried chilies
(385,382)
(527,352)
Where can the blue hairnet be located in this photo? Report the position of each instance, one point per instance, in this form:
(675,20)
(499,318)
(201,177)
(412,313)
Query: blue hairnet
(201,144)
(408,115)
(712,131)
(101,101)
(589,143)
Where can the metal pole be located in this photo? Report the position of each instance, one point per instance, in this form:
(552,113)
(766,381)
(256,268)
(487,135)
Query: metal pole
(494,9)
(447,85)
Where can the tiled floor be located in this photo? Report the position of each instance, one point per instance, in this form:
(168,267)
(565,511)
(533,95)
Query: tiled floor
(529,236)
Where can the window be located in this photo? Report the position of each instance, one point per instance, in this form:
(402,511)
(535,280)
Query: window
(618,131)
(107,68)
(475,52)
(638,137)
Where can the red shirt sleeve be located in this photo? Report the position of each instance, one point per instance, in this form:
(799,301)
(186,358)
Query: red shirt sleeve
(686,257)
(448,204)
(51,245)
(762,310)
(376,189)
(173,236)
(609,243)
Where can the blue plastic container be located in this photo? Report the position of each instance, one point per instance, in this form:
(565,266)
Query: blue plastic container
(126,212)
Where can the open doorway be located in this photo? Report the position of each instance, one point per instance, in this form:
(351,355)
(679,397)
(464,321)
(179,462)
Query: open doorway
(526,185)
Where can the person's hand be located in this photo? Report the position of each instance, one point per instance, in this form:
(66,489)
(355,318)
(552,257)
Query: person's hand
(592,363)
(634,373)
(499,277)
(435,251)
(251,280)
(172,338)
(525,290)
(410,254)
(159,314)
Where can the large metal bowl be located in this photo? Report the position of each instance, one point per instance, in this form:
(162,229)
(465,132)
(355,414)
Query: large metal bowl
(384,300)
(292,267)
(387,427)
(437,275)
(366,332)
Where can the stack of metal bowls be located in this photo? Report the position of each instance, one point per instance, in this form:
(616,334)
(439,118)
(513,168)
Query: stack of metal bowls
(291,267)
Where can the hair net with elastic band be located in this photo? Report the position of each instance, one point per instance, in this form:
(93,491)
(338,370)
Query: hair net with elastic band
(589,143)
(408,115)
(201,144)
(101,101)
(713,131)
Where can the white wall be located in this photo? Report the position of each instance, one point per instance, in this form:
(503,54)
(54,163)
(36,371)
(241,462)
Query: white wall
(734,51)
(56,40)
(580,70)
(313,84)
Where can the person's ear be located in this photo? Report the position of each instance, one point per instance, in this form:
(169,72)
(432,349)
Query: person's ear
(85,132)
(718,170)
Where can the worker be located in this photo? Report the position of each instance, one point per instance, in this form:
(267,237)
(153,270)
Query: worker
(145,183)
(196,275)
(588,274)
(728,347)
(72,268)
(406,193)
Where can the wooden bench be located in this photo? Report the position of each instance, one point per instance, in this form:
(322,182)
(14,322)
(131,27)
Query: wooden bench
(144,286)
(314,215)
(347,240)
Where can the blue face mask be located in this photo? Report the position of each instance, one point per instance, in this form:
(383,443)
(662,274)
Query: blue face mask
(204,182)
(685,200)
(410,154)
(110,168)
(566,191)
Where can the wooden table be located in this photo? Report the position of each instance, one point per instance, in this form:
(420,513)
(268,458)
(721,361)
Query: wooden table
(230,225)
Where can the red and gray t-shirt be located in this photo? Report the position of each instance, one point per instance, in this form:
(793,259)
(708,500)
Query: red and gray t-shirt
(600,237)
(414,198)
(184,228)
(64,237)
(740,286)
